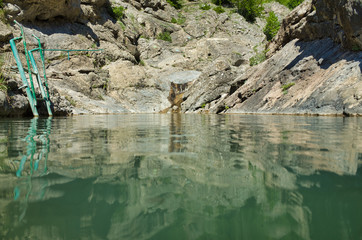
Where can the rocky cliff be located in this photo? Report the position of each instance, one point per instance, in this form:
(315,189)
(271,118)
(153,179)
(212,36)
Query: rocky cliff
(155,58)
(314,67)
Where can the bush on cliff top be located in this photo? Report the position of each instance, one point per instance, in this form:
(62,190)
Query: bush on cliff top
(249,9)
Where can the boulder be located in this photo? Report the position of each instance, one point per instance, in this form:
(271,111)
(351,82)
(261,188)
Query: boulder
(5,32)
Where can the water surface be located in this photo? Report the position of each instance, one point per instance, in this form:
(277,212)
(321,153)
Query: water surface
(181,177)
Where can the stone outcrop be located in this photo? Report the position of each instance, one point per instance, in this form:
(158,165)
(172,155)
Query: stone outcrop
(316,19)
(309,70)
(43,10)
(5,32)
(302,78)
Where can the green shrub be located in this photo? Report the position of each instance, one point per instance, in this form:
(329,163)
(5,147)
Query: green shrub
(219,9)
(165,36)
(249,9)
(2,15)
(2,12)
(118,12)
(180,20)
(290,3)
(259,57)
(205,6)
(222,2)
(175,3)
(3,85)
(293,3)
(272,26)
(285,87)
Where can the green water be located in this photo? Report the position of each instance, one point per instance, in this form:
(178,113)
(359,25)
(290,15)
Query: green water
(181,177)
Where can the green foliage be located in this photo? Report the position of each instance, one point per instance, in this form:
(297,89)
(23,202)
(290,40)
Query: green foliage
(165,36)
(289,3)
(293,3)
(71,101)
(205,6)
(180,20)
(122,25)
(2,15)
(222,2)
(118,12)
(219,9)
(249,9)
(259,57)
(356,48)
(3,85)
(272,26)
(285,87)
(1,4)
(175,3)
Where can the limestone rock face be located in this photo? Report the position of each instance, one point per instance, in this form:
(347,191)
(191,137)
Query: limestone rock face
(315,19)
(15,105)
(315,77)
(28,10)
(5,32)
(152,42)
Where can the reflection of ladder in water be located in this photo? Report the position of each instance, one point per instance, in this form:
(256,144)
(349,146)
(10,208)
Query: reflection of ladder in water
(30,90)
(36,140)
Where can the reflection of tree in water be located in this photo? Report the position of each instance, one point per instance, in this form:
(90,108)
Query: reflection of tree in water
(240,188)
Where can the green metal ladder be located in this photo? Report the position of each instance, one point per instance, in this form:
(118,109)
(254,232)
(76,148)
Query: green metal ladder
(29,88)
(33,70)
(30,91)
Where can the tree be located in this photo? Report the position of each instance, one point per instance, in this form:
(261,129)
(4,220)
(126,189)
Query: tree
(250,9)
(272,26)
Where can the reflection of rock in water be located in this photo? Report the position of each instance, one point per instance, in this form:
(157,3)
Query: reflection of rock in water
(180,82)
(193,176)
(178,139)
(163,193)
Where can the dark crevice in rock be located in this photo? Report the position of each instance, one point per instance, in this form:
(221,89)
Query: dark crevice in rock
(235,86)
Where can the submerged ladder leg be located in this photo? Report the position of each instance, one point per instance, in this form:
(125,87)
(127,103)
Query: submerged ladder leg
(29,93)
(45,82)
(40,84)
